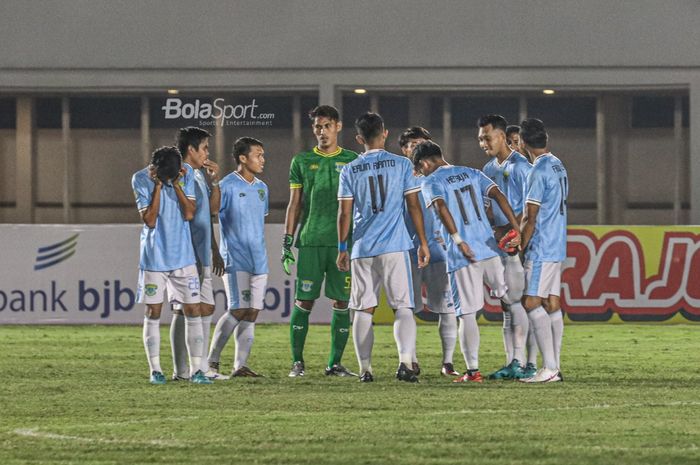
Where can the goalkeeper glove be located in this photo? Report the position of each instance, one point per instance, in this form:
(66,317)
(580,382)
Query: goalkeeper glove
(287,254)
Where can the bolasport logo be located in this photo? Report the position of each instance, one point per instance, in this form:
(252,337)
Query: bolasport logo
(217,112)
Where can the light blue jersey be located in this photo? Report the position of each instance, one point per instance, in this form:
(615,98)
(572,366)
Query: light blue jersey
(167,246)
(201,223)
(244,206)
(377,182)
(511,179)
(433,234)
(462,189)
(548,187)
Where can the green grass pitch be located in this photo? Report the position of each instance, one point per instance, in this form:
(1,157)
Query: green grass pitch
(81,395)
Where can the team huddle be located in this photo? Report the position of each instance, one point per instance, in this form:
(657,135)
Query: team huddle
(410,224)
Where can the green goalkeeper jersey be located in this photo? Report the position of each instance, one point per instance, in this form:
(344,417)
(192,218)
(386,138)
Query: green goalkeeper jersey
(318,174)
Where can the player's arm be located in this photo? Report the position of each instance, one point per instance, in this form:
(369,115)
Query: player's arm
(149,215)
(496,194)
(527,227)
(188,205)
(412,202)
(212,169)
(344,218)
(216,260)
(446,218)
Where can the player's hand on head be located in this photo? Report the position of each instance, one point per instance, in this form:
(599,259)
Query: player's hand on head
(153,174)
(466,251)
(343,261)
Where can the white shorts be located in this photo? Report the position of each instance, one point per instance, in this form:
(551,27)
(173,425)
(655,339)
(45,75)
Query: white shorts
(542,279)
(182,286)
(515,279)
(206,289)
(468,284)
(245,290)
(392,270)
(438,295)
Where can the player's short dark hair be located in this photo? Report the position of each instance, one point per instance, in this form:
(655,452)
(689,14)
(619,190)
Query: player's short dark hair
(190,135)
(424,151)
(512,129)
(369,125)
(168,162)
(326,111)
(496,122)
(415,132)
(243,145)
(533,133)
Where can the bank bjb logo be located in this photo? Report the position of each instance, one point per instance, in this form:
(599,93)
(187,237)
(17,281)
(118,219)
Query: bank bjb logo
(306,285)
(54,254)
(151,289)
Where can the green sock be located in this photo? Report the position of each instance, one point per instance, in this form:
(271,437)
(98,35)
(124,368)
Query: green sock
(340,330)
(298,327)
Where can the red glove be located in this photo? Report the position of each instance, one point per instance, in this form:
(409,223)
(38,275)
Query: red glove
(507,237)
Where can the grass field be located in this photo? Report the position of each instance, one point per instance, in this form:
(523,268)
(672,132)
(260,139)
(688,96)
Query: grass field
(81,395)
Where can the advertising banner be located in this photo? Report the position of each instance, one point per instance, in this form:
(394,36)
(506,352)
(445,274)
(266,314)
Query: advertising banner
(87,274)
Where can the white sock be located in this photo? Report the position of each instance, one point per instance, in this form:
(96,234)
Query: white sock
(363,338)
(521,325)
(195,342)
(206,331)
(151,342)
(557,320)
(542,326)
(469,339)
(508,335)
(245,335)
(177,345)
(405,334)
(532,350)
(447,327)
(224,328)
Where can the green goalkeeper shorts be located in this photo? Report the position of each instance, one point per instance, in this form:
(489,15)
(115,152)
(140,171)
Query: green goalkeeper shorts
(316,264)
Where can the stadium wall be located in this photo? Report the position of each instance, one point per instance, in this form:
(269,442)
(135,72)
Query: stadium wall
(87,274)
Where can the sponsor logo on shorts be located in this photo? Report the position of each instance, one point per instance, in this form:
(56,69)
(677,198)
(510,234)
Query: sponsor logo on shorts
(195,294)
(242,194)
(261,194)
(193,284)
(297,327)
(151,289)
(339,166)
(306,285)
(343,330)
(246,295)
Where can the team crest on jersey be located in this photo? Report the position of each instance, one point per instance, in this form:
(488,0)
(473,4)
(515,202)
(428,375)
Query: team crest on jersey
(313,166)
(306,285)
(506,173)
(261,194)
(339,166)
(151,289)
(246,295)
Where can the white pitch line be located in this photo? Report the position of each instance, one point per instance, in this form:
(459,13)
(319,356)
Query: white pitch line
(145,420)
(35,433)
(576,407)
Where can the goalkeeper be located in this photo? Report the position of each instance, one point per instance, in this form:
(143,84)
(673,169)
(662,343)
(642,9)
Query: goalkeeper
(313,204)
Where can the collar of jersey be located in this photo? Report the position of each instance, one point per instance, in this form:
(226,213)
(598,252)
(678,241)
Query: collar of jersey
(317,151)
(541,156)
(245,180)
(372,151)
(500,165)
